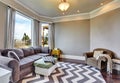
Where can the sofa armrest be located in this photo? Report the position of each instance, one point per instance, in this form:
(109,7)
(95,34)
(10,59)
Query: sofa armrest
(88,55)
(13,64)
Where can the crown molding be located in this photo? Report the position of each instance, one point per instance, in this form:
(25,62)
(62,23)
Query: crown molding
(106,8)
(33,11)
(81,16)
(99,11)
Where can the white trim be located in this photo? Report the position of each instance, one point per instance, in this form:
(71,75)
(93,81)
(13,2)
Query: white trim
(74,57)
(106,8)
(33,11)
(81,16)
(99,11)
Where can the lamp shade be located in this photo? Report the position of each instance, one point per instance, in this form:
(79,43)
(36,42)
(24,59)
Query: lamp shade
(63,6)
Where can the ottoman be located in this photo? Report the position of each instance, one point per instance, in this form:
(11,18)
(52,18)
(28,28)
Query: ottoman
(44,68)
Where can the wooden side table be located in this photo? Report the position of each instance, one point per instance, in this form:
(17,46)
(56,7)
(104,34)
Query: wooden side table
(4,75)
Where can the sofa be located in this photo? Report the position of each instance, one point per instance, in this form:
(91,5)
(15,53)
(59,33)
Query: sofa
(23,66)
(100,63)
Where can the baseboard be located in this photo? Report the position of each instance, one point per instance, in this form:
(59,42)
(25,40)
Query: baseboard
(73,57)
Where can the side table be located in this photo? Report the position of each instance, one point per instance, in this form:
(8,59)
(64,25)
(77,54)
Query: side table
(4,75)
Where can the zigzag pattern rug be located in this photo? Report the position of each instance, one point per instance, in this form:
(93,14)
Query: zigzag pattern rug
(70,73)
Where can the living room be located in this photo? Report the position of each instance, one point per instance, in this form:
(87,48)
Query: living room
(74,33)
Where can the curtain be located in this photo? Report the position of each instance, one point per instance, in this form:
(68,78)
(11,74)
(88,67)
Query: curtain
(51,36)
(9,40)
(35,33)
(40,35)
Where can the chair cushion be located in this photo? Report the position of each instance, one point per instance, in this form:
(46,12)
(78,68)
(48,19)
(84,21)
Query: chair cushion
(92,61)
(12,54)
(97,54)
(116,61)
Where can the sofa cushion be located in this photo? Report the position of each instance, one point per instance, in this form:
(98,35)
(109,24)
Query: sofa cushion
(28,51)
(43,54)
(12,54)
(19,52)
(5,52)
(45,50)
(37,49)
(35,57)
(26,62)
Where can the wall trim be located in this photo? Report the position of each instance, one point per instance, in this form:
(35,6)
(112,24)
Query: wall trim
(24,10)
(106,8)
(33,11)
(99,11)
(76,57)
(81,16)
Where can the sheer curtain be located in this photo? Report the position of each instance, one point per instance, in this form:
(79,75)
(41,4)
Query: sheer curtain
(51,36)
(35,33)
(9,40)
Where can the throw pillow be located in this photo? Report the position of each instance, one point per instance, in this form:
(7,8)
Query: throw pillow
(97,54)
(49,59)
(12,54)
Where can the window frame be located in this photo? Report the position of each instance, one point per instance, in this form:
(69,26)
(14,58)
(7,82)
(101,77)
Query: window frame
(27,17)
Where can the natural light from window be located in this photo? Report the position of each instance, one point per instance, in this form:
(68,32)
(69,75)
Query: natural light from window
(22,31)
(44,33)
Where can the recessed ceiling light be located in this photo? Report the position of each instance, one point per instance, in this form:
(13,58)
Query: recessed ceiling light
(63,13)
(78,11)
(101,4)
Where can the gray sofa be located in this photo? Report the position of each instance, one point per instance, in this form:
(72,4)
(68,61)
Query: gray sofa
(23,66)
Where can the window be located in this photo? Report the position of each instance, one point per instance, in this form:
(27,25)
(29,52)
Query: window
(22,31)
(44,33)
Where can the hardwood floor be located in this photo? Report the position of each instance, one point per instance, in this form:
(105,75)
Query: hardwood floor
(110,78)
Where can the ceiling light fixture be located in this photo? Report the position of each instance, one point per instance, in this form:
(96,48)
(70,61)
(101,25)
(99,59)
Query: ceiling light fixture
(63,6)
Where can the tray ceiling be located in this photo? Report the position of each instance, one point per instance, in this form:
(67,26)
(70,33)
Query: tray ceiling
(49,8)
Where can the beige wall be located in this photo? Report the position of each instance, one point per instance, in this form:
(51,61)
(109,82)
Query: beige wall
(2,23)
(73,37)
(105,31)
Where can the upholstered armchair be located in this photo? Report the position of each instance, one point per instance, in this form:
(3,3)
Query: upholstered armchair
(99,63)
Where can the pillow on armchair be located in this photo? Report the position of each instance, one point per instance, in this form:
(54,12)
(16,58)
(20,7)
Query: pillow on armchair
(97,54)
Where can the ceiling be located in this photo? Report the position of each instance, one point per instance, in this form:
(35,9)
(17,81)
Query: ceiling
(49,8)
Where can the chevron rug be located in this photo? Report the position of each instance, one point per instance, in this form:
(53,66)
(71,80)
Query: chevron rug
(70,73)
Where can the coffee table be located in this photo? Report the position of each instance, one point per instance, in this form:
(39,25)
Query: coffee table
(44,68)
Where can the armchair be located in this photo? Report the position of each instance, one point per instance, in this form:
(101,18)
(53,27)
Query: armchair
(100,63)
